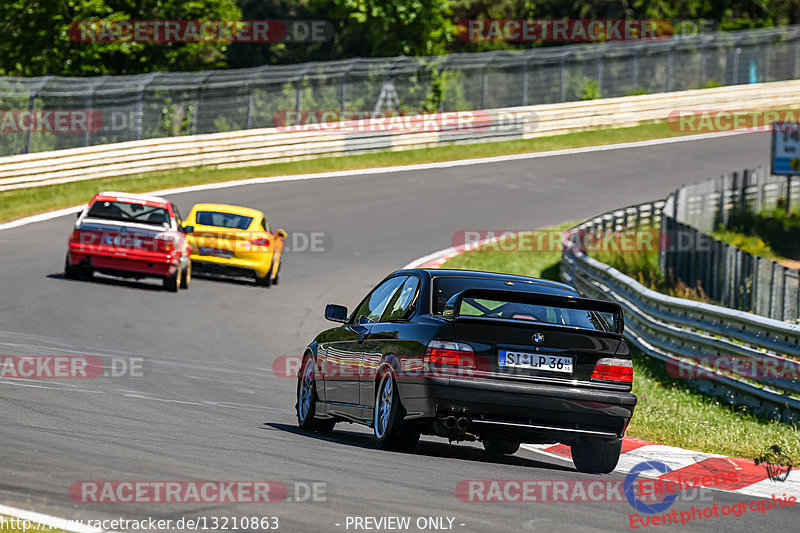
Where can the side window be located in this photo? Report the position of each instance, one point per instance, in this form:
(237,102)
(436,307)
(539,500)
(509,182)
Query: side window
(399,307)
(264,224)
(373,306)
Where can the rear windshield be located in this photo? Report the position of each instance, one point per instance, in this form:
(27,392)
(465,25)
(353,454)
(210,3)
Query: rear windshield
(129,212)
(445,288)
(223,220)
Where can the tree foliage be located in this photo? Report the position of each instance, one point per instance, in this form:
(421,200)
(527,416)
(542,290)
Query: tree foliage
(34,37)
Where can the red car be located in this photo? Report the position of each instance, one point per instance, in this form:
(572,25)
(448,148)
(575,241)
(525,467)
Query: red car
(131,236)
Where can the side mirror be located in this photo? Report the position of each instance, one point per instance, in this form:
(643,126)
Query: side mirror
(281,234)
(78,214)
(336,313)
(187,229)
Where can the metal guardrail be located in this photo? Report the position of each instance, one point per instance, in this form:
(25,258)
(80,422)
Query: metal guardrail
(168,104)
(688,334)
(271,145)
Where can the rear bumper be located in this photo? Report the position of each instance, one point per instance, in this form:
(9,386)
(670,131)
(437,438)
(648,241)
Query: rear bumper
(521,412)
(258,263)
(133,263)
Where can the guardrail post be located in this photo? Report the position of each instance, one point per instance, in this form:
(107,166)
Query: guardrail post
(563,79)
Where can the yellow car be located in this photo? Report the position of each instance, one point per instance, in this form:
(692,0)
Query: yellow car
(234,241)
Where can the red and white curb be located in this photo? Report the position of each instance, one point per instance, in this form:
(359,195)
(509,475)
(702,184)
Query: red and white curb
(748,478)
(741,476)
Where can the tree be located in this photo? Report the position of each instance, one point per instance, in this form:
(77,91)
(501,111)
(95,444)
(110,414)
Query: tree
(35,38)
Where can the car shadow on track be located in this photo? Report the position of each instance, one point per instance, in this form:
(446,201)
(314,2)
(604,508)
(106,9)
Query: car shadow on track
(425,447)
(99,279)
(224,279)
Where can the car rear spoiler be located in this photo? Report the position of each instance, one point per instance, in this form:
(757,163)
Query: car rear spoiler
(453,305)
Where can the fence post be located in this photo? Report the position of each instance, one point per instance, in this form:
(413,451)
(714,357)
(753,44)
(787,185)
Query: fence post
(670,67)
(525,82)
(298,84)
(484,85)
(563,80)
(600,73)
(198,96)
(636,69)
(796,58)
(736,53)
(31,105)
(140,105)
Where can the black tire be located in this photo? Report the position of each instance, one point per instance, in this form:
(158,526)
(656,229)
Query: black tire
(186,276)
(266,281)
(500,447)
(306,407)
(596,456)
(72,271)
(278,271)
(171,283)
(391,432)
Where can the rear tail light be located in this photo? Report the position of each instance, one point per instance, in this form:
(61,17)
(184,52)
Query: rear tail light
(165,245)
(450,354)
(83,237)
(260,242)
(613,369)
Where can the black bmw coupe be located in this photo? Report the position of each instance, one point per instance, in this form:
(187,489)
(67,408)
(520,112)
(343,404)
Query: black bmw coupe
(472,355)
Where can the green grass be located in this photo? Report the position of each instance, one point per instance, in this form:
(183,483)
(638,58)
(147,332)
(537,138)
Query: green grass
(524,257)
(669,411)
(751,244)
(24,202)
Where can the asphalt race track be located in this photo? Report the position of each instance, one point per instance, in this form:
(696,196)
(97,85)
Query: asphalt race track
(210,407)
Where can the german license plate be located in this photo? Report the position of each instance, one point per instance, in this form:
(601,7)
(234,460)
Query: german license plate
(216,252)
(535,361)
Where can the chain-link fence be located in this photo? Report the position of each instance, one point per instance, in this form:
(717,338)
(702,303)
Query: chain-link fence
(39,114)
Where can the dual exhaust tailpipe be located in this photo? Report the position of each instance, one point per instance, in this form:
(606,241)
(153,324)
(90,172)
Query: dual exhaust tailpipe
(462,423)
